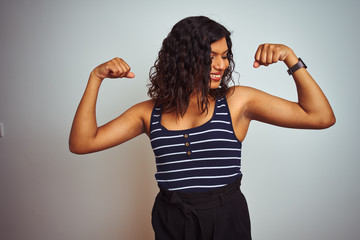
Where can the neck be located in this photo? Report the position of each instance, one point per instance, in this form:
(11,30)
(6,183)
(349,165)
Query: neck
(195,102)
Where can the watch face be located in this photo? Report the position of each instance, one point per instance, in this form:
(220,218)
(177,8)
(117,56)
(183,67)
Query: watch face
(303,64)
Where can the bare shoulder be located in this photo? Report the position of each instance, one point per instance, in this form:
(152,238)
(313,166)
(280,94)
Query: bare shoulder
(143,110)
(238,99)
(146,106)
(241,98)
(239,95)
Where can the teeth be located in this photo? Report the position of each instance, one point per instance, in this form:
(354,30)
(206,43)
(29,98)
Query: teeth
(215,76)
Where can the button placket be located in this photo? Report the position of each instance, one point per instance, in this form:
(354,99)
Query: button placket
(187,145)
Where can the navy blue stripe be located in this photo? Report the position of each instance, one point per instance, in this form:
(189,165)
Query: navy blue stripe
(197,159)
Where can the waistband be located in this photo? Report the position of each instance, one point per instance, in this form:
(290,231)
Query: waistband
(203,200)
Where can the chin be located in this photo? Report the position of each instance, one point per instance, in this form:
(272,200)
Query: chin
(215,85)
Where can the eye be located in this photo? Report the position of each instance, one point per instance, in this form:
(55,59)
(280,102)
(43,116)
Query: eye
(225,56)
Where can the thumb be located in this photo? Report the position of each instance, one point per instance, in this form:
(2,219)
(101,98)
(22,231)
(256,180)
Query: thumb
(130,75)
(256,64)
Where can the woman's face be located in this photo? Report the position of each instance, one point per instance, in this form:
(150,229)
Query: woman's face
(220,62)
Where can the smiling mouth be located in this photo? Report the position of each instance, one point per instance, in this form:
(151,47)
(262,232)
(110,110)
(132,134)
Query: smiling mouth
(215,77)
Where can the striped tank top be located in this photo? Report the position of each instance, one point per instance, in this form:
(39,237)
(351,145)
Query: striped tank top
(198,159)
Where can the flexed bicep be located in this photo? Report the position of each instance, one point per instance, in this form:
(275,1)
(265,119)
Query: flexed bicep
(85,135)
(128,125)
(277,111)
(312,109)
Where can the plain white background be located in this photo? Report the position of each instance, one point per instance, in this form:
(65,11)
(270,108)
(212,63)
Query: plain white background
(300,184)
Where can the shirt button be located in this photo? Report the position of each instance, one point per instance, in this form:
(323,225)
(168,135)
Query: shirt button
(187,144)
(188,152)
(186,135)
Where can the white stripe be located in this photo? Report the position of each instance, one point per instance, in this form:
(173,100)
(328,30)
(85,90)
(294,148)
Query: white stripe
(210,186)
(155,130)
(176,136)
(156,115)
(211,130)
(198,168)
(155,123)
(219,121)
(158,109)
(170,154)
(222,105)
(216,149)
(221,113)
(172,145)
(214,140)
(199,177)
(198,159)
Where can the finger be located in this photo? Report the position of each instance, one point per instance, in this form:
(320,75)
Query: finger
(124,63)
(127,69)
(122,66)
(269,56)
(276,56)
(258,53)
(120,69)
(111,70)
(256,64)
(115,70)
(130,75)
(264,53)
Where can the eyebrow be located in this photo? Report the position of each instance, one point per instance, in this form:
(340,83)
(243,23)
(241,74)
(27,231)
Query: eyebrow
(221,53)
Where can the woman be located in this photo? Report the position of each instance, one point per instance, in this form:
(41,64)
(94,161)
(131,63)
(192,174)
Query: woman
(196,124)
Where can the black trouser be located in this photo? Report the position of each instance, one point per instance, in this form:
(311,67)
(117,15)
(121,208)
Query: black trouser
(221,214)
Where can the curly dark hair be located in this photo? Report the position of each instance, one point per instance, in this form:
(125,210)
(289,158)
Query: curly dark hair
(184,64)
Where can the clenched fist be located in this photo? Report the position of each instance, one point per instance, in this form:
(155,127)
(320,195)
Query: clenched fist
(267,54)
(115,68)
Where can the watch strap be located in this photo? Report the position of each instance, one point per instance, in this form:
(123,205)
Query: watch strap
(297,66)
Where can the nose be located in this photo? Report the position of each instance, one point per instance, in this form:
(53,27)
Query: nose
(219,63)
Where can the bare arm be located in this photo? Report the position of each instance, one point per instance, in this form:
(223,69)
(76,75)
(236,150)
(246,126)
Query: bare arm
(85,135)
(312,109)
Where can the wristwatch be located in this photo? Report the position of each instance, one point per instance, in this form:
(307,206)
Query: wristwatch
(297,66)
